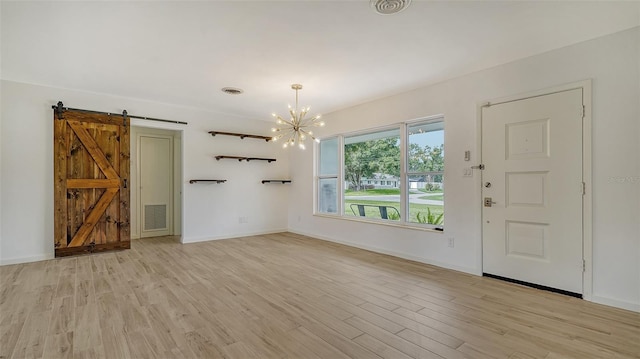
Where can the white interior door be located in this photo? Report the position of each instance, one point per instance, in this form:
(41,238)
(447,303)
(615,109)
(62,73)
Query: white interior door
(156,187)
(532,152)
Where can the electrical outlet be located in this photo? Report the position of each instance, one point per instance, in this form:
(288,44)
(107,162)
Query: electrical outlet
(450,242)
(243,219)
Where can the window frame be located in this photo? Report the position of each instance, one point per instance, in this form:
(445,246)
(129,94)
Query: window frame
(403,128)
(406,174)
(318,177)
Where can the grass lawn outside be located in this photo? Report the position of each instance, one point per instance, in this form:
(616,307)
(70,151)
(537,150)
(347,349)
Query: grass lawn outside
(373,192)
(439,197)
(388,191)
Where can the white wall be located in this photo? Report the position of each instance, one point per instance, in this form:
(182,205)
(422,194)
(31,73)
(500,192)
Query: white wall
(211,211)
(613,64)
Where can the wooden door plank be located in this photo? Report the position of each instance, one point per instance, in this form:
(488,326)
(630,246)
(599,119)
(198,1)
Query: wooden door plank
(95,151)
(93,217)
(106,136)
(92,117)
(60,175)
(92,183)
(124,228)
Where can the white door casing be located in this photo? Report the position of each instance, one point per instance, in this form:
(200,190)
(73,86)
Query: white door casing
(156,185)
(532,152)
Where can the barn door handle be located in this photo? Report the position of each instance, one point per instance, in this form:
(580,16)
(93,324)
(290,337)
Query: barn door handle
(125,183)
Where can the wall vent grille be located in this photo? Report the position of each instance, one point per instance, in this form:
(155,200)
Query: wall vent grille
(155,216)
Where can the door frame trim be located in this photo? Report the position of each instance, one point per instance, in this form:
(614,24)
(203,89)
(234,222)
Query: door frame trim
(138,199)
(587,160)
(139,136)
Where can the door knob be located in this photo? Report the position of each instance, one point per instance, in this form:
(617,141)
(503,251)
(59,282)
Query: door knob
(488,202)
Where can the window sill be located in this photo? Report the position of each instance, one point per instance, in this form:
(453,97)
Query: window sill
(380,222)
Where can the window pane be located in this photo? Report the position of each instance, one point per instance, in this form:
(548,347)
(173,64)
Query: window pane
(426,199)
(328,157)
(327,195)
(373,158)
(426,147)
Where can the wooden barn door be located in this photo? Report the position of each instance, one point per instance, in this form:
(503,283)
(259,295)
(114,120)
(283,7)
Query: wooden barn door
(91,171)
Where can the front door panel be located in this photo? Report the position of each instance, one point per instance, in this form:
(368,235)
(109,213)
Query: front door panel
(532,227)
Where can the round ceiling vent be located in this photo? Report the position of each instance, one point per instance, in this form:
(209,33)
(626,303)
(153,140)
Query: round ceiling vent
(232,90)
(389,7)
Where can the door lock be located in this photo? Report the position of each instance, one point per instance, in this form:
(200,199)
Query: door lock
(488,202)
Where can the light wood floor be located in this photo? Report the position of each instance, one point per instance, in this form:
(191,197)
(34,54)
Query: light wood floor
(287,296)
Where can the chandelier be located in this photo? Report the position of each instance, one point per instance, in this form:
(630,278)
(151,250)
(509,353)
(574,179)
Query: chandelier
(297,128)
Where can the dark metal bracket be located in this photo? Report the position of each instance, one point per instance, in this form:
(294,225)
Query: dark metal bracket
(59,110)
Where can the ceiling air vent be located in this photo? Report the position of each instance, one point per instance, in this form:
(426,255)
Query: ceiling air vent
(389,7)
(232,90)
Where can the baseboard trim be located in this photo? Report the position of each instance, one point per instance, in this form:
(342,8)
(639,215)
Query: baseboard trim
(38,258)
(186,240)
(388,252)
(634,307)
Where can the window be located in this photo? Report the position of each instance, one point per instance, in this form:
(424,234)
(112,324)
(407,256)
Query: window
(371,155)
(375,176)
(425,172)
(327,185)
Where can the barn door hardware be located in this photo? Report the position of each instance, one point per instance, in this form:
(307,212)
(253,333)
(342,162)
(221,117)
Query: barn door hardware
(59,108)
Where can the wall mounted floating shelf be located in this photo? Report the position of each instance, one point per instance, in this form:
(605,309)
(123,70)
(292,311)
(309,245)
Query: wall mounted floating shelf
(276,181)
(240,158)
(207,180)
(260,159)
(241,135)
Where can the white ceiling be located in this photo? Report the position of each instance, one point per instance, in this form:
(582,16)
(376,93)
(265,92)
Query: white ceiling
(341,51)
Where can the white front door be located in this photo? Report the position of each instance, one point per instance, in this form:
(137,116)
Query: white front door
(156,185)
(532,152)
